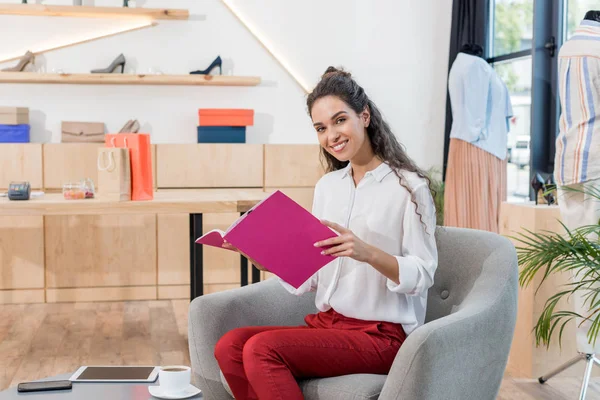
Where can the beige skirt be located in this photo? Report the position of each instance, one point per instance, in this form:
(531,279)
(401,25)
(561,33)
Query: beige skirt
(475,187)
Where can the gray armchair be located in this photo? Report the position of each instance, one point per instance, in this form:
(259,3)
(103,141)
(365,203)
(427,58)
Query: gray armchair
(459,353)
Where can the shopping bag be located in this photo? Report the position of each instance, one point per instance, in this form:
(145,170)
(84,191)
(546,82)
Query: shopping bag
(140,156)
(114,174)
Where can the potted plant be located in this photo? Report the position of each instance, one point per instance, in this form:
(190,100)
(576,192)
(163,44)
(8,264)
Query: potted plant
(576,252)
(437,192)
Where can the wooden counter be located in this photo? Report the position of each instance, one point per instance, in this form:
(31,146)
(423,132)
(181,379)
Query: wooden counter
(58,250)
(165,201)
(526,360)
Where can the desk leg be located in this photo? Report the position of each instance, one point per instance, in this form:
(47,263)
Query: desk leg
(244,270)
(255,274)
(196,259)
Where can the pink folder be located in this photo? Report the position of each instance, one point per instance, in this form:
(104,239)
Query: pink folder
(279,234)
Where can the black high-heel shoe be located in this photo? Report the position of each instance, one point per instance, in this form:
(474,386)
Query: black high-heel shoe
(550,190)
(217,63)
(545,189)
(117,62)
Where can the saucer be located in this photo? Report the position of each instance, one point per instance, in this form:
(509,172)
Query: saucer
(159,392)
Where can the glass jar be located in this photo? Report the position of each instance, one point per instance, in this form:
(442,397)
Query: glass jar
(73,191)
(87,185)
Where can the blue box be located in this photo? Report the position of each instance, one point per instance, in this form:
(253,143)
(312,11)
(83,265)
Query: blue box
(14,133)
(221,134)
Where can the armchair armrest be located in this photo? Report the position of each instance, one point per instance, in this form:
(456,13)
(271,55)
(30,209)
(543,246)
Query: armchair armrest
(463,355)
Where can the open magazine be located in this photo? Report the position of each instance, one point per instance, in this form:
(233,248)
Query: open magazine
(279,234)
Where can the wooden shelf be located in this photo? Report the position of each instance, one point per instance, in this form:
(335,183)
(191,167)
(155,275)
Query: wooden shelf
(129,79)
(92,12)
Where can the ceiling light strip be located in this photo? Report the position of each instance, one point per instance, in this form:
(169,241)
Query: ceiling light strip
(267,45)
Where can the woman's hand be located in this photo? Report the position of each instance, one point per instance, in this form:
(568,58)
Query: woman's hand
(229,246)
(345,245)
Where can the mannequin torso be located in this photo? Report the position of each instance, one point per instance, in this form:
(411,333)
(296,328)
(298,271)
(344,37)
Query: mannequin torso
(592,15)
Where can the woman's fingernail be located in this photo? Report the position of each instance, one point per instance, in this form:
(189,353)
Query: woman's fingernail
(322,253)
(316,244)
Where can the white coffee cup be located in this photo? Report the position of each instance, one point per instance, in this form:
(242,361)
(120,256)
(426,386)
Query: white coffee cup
(174,378)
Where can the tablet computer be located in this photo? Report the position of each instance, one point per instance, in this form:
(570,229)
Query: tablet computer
(114,373)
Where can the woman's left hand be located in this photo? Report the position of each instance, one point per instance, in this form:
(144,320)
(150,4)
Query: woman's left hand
(345,245)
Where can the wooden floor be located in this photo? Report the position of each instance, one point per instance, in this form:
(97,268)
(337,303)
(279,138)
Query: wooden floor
(42,340)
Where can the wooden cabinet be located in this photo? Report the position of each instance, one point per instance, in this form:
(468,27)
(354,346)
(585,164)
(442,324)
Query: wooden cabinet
(526,360)
(142,256)
(296,165)
(220,266)
(102,250)
(70,162)
(302,196)
(21,162)
(21,253)
(173,249)
(209,165)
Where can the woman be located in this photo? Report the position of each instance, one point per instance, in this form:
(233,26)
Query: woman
(374,293)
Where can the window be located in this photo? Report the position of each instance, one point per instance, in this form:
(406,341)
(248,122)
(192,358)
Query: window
(511,39)
(576,10)
(512,27)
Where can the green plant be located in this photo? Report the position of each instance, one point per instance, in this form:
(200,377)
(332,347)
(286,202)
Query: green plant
(577,252)
(437,191)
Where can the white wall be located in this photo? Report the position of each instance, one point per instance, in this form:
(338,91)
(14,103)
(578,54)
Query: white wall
(398,50)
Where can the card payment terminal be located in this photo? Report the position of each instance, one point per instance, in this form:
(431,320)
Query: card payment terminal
(19,191)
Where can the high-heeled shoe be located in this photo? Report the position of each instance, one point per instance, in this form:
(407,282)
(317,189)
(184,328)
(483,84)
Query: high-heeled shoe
(550,192)
(117,62)
(126,127)
(216,63)
(135,127)
(29,57)
(132,126)
(545,189)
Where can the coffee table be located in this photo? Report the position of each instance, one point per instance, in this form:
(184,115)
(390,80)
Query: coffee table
(89,391)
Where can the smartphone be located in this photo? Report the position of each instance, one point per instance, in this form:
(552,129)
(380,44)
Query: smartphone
(44,386)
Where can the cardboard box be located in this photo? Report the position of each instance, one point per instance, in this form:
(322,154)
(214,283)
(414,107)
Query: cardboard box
(14,133)
(14,115)
(221,134)
(225,117)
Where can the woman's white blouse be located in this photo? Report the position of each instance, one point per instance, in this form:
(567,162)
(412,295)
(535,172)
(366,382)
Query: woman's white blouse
(382,213)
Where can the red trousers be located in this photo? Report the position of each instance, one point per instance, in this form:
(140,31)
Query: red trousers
(263,362)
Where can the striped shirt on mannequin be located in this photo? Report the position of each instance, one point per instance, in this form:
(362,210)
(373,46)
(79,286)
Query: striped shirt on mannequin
(578,143)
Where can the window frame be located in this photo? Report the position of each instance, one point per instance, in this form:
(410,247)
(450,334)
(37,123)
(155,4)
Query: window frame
(549,32)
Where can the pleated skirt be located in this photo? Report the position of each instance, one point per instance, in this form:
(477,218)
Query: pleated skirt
(475,187)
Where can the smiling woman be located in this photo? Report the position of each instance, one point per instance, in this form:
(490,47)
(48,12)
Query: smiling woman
(351,127)
(374,293)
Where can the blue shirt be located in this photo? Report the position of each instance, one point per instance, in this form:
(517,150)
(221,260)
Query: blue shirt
(481,105)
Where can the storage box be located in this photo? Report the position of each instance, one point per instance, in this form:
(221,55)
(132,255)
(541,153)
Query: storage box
(225,117)
(14,133)
(221,134)
(14,115)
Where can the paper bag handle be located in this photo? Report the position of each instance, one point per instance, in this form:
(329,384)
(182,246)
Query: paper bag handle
(112,141)
(111,162)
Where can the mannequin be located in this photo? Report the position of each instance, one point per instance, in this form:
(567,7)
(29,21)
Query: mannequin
(592,15)
(577,166)
(472,49)
(476,171)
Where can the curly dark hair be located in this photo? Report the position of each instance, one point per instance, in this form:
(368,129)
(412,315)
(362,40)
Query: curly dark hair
(339,83)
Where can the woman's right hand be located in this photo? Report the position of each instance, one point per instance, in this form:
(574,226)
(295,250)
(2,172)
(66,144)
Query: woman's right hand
(229,246)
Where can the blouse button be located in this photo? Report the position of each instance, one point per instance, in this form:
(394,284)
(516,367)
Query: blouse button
(444,294)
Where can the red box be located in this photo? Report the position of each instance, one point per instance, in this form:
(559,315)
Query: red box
(225,117)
